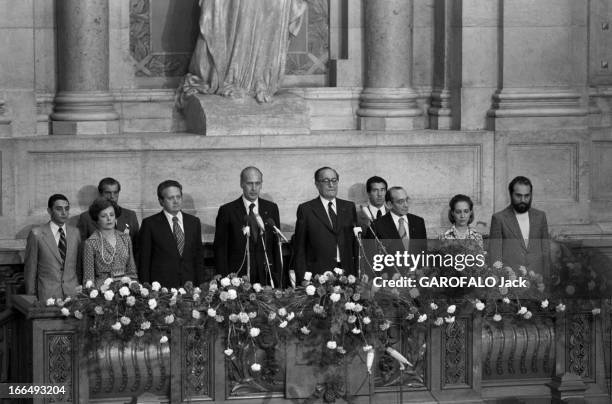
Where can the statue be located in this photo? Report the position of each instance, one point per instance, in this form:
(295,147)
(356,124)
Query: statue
(242,47)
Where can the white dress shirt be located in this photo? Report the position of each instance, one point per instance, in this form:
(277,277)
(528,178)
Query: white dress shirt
(248,203)
(55,230)
(171,223)
(396,219)
(373,210)
(523,221)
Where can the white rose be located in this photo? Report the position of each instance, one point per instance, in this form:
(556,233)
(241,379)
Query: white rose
(98,310)
(93,294)
(65,311)
(145,325)
(282,312)
(223,295)
(174,291)
(528,315)
(78,314)
(195,314)
(422,318)
(498,265)
(310,290)
(283,324)
(257,287)
(232,294)
(366,320)
(254,332)
(225,282)
(252,314)
(108,295)
(89,284)
(163,340)
(497,317)
(439,321)
(506,300)
(449,319)
(479,305)
(236,281)
(338,271)
(108,281)
(351,319)
(410,316)
(352,279)
(169,319)
(522,310)
(385,325)
(358,308)
(152,304)
(331,345)
(219,319)
(349,306)
(228,351)
(560,307)
(451,309)
(307,276)
(596,311)
(50,301)
(334,297)
(124,291)
(244,318)
(322,279)
(544,303)
(255,367)
(433,306)
(103,288)
(290,316)
(213,287)
(125,320)
(305,330)
(155,286)
(130,301)
(182,291)
(356,330)
(116,326)
(126,279)
(211,312)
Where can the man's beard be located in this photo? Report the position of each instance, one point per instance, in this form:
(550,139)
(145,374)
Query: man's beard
(521,207)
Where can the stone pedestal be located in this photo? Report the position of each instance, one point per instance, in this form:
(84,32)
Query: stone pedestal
(540,83)
(214,115)
(83,104)
(388,101)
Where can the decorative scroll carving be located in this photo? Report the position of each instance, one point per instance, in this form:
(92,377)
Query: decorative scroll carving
(518,350)
(579,345)
(60,367)
(196,360)
(455,353)
(118,370)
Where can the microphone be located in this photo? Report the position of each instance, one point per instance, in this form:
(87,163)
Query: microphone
(260,223)
(367,213)
(246,230)
(357,231)
(270,222)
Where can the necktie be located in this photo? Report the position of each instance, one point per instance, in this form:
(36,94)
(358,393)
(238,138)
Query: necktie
(178,235)
(402,232)
(61,245)
(379,214)
(253,223)
(332,215)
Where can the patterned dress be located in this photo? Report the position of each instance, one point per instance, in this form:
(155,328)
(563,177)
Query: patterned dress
(101,260)
(471,234)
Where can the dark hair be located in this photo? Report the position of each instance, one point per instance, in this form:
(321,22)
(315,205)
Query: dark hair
(389,192)
(56,197)
(316,174)
(519,180)
(107,181)
(375,180)
(460,198)
(168,184)
(99,205)
(249,168)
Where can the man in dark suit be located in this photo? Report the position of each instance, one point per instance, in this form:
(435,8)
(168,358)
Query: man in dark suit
(519,234)
(398,230)
(376,188)
(230,240)
(127,222)
(324,236)
(171,250)
(52,257)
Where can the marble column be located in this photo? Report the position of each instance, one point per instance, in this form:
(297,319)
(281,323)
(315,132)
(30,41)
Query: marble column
(388,101)
(83,103)
(542,65)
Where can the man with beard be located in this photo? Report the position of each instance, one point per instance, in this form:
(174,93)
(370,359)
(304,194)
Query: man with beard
(519,233)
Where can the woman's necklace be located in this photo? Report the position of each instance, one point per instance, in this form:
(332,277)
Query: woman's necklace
(114,249)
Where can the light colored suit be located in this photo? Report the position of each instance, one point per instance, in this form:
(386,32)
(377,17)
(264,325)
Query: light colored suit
(44,276)
(506,243)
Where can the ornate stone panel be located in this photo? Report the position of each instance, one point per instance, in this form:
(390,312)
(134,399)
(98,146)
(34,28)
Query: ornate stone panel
(580,345)
(196,364)
(455,353)
(60,364)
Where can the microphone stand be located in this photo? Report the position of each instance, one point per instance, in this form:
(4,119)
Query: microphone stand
(263,243)
(382,247)
(279,243)
(248,252)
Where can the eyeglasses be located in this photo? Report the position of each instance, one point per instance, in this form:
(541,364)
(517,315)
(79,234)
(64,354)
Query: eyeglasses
(328,181)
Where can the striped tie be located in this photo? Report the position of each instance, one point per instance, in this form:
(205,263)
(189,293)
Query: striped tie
(61,245)
(178,235)
(402,232)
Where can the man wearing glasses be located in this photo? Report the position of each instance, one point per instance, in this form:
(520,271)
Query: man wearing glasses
(324,236)
(399,230)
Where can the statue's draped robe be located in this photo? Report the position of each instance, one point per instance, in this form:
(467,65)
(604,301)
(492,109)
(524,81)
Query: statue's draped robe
(242,47)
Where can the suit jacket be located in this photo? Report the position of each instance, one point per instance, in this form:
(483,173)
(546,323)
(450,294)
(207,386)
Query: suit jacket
(387,233)
(44,274)
(315,239)
(506,242)
(230,243)
(127,221)
(159,256)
